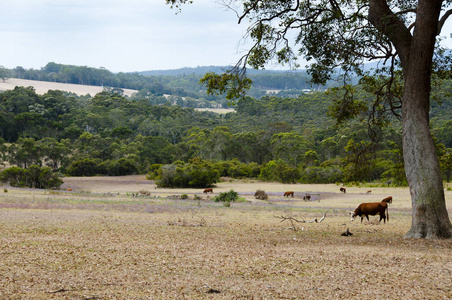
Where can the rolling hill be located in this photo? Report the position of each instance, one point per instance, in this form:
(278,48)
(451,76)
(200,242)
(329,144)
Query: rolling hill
(41,87)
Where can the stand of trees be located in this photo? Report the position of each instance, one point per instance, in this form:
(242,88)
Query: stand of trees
(279,139)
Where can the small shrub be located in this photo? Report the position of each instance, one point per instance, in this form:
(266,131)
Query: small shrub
(145,192)
(184,196)
(5,190)
(261,195)
(227,196)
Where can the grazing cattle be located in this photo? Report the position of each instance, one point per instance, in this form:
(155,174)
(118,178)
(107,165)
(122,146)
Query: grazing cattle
(287,194)
(387,200)
(343,190)
(368,192)
(372,209)
(208,191)
(307,198)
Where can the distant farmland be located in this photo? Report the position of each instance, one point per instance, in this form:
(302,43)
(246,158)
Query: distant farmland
(41,87)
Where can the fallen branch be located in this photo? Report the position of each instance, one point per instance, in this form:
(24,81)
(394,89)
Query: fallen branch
(317,221)
(292,220)
(368,231)
(289,218)
(59,291)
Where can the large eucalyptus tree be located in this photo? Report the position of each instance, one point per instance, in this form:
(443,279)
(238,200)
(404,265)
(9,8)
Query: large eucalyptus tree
(347,33)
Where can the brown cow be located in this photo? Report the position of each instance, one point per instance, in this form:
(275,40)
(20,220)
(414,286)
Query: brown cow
(369,191)
(287,194)
(208,191)
(343,190)
(387,200)
(374,208)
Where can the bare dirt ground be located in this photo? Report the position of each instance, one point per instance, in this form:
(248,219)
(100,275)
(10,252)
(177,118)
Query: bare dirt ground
(105,240)
(42,87)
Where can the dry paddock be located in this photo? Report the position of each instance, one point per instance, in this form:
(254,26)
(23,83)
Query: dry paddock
(106,240)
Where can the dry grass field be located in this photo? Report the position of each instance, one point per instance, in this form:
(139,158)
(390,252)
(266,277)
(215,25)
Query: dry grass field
(41,87)
(106,240)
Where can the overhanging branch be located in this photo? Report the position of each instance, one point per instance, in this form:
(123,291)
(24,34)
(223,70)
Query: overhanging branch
(443,20)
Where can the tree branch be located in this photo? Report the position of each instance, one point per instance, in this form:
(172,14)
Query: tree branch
(381,16)
(443,20)
(292,219)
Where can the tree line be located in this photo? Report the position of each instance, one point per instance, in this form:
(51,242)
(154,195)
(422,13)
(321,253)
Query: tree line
(272,138)
(181,82)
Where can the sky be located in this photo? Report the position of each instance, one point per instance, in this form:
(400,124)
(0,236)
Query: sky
(119,35)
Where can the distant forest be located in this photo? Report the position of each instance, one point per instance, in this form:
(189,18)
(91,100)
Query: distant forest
(180,82)
(287,139)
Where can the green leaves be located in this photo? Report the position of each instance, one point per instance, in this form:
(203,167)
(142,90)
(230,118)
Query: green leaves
(197,173)
(34,177)
(345,105)
(229,196)
(359,161)
(233,85)
(177,4)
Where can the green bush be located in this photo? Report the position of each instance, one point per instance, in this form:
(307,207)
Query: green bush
(236,169)
(154,171)
(93,167)
(329,174)
(34,177)
(279,171)
(84,167)
(120,167)
(230,196)
(197,173)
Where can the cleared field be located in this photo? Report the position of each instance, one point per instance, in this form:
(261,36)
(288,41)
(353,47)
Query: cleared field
(220,111)
(102,241)
(42,87)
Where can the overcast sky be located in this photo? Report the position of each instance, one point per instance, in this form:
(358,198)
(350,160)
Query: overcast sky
(119,35)
(122,36)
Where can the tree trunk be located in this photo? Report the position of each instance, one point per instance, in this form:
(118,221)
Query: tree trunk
(429,213)
(430,217)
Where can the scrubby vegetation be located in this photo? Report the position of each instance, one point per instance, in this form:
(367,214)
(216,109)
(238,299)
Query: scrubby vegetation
(228,197)
(197,174)
(33,177)
(261,195)
(271,138)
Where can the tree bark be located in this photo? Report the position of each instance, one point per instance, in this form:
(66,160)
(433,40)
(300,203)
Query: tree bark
(429,212)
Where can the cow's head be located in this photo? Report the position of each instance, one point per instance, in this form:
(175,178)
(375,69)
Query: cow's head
(352,216)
